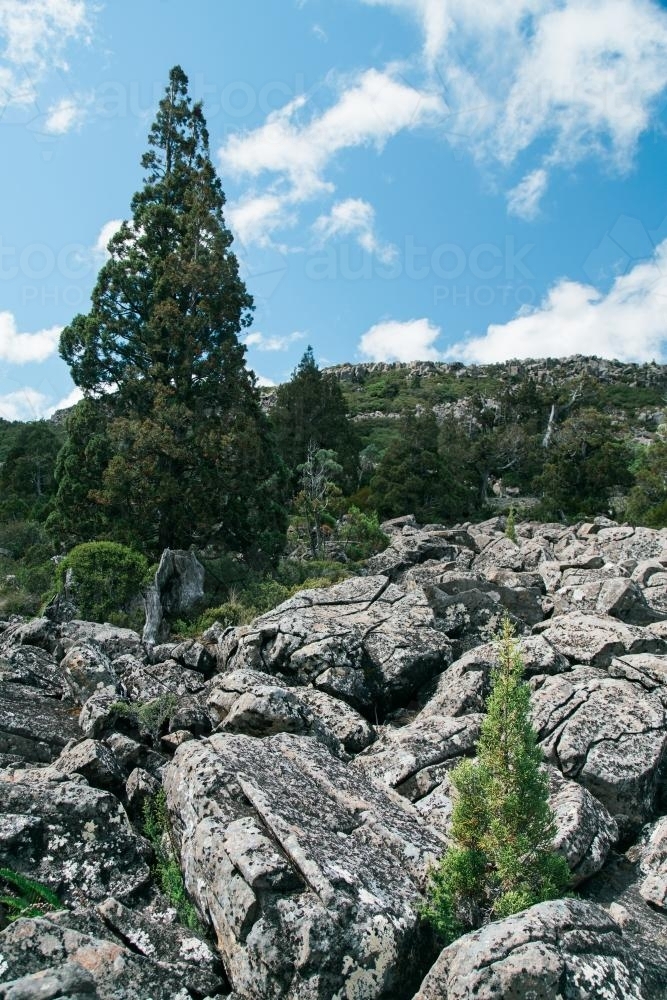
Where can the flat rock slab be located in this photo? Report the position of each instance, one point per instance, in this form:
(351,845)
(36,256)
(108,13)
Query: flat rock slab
(33,726)
(364,640)
(596,639)
(310,873)
(607,733)
(566,948)
(83,845)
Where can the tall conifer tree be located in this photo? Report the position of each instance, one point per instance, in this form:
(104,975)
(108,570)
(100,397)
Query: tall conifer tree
(191,459)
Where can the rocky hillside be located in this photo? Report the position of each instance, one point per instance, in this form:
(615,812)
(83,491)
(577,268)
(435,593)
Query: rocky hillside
(303,762)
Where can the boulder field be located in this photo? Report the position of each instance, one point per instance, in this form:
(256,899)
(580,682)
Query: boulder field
(303,764)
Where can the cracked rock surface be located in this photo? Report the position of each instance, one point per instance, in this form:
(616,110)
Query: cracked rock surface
(306,760)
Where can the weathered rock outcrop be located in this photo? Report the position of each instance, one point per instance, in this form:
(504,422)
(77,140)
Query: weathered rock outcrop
(364,640)
(310,875)
(307,764)
(566,948)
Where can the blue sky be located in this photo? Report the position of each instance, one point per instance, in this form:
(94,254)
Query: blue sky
(406,179)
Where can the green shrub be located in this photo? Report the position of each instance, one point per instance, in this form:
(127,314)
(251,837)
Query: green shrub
(166,869)
(510,526)
(502,859)
(361,534)
(149,717)
(106,576)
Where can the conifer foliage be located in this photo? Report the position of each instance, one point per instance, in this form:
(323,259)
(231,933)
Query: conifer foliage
(188,456)
(502,859)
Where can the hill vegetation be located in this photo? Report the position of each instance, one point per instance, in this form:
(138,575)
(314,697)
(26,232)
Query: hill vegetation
(174,445)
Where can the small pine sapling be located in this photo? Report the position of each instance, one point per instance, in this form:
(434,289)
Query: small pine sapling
(502,859)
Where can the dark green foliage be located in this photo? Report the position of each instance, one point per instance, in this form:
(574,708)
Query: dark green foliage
(181,450)
(166,869)
(502,859)
(361,534)
(310,411)
(647,503)
(27,483)
(414,477)
(106,576)
(585,463)
(24,897)
(510,526)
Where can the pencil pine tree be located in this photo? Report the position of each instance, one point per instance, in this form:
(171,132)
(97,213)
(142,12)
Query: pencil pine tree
(502,859)
(190,457)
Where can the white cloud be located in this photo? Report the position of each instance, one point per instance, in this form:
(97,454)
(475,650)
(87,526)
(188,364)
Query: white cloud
(392,340)
(524,200)
(584,76)
(368,111)
(355,217)
(434,17)
(71,399)
(108,230)
(21,348)
(264,382)
(628,323)
(34,35)
(320,33)
(262,343)
(256,217)
(372,109)
(66,114)
(23,404)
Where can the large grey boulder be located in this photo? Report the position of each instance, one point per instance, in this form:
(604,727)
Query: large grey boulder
(177,587)
(86,669)
(607,733)
(585,830)
(85,847)
(34,726)
(32,667)
(310,873)
(653,867)
(112,640)
(464,687)
(596,639)
(364,641)
(252,703)
(411,545)
(52,958)
(415,758)
(566,948)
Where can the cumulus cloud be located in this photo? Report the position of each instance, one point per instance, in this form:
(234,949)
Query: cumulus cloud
(23,404)
(256,217)
(71,399)
(296,145)
(108,230)
(34,36)
(629,322)
(393,340)
(355,217)
(583,76)
(21,348)
(264,382)
(523,201)
(65,115)
(260,342)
